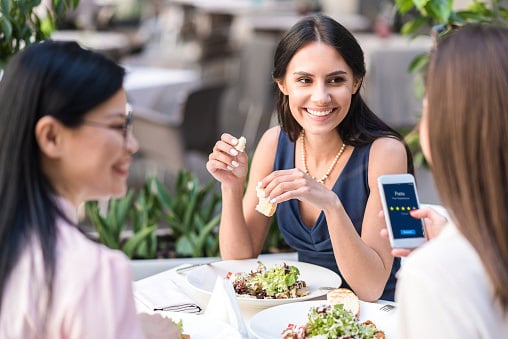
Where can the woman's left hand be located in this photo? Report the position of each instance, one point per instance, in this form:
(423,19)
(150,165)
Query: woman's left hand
(289,184)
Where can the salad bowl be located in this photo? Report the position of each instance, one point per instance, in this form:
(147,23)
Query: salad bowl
(318,279)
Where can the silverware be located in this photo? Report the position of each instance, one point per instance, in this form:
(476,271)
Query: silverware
(186,307)
(387,308)
(192,266)
(327,288)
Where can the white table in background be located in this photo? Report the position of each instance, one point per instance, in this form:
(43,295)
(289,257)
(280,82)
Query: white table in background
(113,44)
(389,88)
(157,96)
(161,90)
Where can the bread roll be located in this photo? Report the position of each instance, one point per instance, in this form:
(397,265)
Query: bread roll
(345,297)
(240,146)
(264,205)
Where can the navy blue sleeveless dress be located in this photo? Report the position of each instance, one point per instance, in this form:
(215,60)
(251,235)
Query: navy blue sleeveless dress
(313,245)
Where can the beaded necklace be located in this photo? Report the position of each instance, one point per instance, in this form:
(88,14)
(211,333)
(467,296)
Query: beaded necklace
(330,169)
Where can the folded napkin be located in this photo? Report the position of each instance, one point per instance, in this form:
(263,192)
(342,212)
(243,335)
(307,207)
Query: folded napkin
(164,295)
(223,306)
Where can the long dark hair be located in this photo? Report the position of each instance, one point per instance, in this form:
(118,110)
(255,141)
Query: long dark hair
(361,126)
(467,124)
(62,80)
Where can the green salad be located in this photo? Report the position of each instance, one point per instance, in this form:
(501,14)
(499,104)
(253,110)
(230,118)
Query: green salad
(332,322)
(335,322)
(278,282)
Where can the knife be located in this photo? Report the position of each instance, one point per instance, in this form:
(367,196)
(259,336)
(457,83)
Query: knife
(192,266)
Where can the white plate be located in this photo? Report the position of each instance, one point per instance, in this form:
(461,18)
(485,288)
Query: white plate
(316,277)
(202,327)
(269,323)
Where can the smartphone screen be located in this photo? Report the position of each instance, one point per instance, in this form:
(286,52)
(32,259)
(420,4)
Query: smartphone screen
(400,199)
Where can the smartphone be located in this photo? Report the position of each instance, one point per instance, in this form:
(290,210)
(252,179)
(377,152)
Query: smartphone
(398,195)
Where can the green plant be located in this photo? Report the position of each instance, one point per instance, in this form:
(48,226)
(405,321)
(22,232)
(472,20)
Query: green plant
(23,22)
(111,226)
(439,14)
(192,212)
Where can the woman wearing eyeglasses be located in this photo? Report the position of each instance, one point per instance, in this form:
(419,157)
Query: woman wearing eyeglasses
(64,139)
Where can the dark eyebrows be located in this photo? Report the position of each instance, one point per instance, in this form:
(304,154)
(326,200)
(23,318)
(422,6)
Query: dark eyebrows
(335,73)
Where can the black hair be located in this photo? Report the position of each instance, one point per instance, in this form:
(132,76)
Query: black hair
(62,80)
(360,126)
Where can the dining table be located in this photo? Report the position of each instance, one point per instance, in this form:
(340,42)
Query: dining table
(203,314)
(159,89)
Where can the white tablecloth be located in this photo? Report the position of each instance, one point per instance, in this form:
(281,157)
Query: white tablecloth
(170,277)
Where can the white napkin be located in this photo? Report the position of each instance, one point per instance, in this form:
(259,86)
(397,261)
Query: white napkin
(164,295)
(223,306)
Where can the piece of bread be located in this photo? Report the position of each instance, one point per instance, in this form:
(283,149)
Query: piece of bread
(240,146)
(264,205)
(345,297)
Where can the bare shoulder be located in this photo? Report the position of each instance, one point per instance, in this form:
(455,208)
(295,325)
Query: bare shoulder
(271,136)
(387,155)
(268,142)
(386,146)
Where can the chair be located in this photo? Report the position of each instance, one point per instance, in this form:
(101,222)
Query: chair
(167,146)
(201,110)
(200,128)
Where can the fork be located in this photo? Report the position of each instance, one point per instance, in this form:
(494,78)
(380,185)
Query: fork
(387,308)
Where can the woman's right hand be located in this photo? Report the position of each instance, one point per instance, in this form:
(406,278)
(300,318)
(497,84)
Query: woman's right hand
(226,164)
(434,223)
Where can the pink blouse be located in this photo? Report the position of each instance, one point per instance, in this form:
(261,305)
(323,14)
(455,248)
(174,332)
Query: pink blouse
(92,292)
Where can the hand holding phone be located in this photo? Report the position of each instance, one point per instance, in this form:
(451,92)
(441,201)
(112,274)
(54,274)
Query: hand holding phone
(399,197)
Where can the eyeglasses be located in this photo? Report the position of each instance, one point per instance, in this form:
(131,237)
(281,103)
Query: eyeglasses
(125,127)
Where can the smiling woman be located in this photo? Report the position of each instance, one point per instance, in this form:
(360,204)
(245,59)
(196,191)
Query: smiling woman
(320,165)
(53,159)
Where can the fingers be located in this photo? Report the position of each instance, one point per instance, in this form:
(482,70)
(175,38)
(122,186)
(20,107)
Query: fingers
(225,157)
(429,213)
(224,151)
(278,182)
(284,185)
(401,252)
(396,252)
(384,233)
(434,221)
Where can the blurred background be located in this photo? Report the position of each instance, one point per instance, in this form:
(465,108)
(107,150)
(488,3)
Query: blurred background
(198,68)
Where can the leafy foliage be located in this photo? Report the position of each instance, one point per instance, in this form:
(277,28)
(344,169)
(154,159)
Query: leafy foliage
(440,16)
(21,24)
(191,212)
(111,226)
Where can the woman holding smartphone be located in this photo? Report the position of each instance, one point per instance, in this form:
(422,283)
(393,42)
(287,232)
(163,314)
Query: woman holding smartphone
(455,286)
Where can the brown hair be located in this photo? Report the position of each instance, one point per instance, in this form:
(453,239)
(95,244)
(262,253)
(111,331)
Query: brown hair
(467,86)
(360,126)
